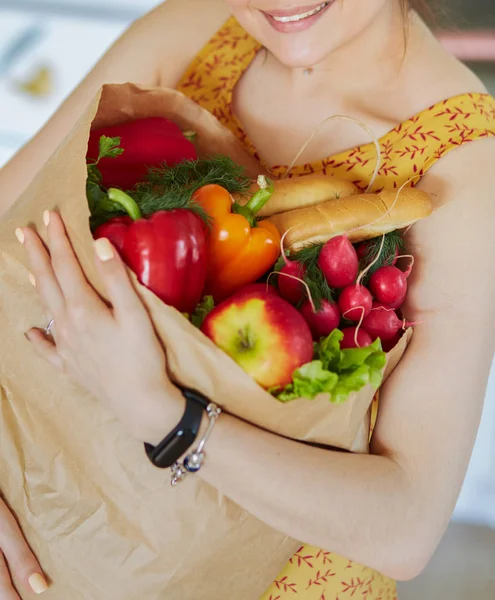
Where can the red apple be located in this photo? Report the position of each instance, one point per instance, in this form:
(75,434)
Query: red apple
(263,333)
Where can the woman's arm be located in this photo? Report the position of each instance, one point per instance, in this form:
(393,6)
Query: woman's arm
(155,50)
(389,510)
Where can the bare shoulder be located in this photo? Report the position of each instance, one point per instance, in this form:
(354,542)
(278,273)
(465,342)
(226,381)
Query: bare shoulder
(181,28)
(456,242)
(464,175)
(433,74)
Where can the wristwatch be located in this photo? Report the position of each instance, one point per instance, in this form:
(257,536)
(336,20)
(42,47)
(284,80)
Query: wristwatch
(183,436)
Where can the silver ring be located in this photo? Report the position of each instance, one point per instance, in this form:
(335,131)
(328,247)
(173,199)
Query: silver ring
(49,327)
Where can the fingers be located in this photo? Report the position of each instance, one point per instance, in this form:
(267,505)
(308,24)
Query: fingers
(42,271)
(45,347)
(126,303)
(65,264)
(7,591)
(21,561)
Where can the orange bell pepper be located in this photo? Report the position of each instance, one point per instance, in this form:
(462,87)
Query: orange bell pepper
(241,249)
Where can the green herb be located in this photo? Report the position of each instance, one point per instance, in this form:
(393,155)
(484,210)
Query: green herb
(336,372)
(167,187)
(280,262)
(109,148)
(101,207)
(317,284)
(175,186)
(392,244)
(202,311)
(313,277)
(152,199)
(309,255)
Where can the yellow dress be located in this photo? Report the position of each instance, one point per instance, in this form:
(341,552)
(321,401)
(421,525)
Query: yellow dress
(408,151)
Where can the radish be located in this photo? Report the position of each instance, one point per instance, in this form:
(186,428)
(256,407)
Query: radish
(389,285)
(339,262)
(290,279)
(355,302)
(289,287)
(383,322)
(361,250)
(355,337)
(323,321)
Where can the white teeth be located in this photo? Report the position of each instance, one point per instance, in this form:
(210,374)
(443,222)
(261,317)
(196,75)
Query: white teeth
(304,15)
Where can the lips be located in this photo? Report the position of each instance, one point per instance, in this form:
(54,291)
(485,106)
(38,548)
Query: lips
(291,12)
(297,18)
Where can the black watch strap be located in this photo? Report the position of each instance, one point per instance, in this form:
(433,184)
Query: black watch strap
(183,436)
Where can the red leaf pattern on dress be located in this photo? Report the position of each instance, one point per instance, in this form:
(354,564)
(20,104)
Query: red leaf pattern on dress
(321,578)
(354,585)
(300,559)
(324,556)
(283,584)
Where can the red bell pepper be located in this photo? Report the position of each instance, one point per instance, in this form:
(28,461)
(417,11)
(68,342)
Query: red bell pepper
(167,251)
(147,143)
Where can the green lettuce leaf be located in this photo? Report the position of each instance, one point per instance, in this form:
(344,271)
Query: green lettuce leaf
(328,350)
(308,381)
(355,357)
(335,372)
(350,382)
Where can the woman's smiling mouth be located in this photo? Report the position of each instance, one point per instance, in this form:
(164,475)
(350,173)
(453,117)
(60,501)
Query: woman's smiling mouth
(296,19)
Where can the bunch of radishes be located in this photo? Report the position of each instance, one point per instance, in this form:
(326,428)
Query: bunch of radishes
(363,312)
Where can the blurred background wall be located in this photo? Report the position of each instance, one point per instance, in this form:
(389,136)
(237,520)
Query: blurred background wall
(46,47)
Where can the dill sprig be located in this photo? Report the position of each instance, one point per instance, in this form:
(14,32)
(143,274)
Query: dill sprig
(169,187)
(174,187)
(313,277)
(152,199)
(392,244)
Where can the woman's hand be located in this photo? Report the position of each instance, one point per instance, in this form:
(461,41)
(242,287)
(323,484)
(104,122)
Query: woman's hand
(112,352)
(17,559)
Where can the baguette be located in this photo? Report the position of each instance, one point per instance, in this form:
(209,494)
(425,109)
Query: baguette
(362,216)
(301,192)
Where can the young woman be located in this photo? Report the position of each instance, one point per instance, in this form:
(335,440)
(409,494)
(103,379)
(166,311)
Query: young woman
(272,72)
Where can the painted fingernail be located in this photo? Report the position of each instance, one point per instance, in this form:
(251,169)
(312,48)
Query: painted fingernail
(104,249)
(19,234)
(46,218)
(32,280)
(38,583)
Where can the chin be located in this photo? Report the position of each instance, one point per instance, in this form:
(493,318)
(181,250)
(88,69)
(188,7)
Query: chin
(300,53)
(311,42)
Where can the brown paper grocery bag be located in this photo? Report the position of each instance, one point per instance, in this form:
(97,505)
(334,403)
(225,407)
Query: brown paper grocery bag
(105,524)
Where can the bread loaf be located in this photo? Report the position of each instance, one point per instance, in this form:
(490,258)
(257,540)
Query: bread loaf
(361,216)
(300,192)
